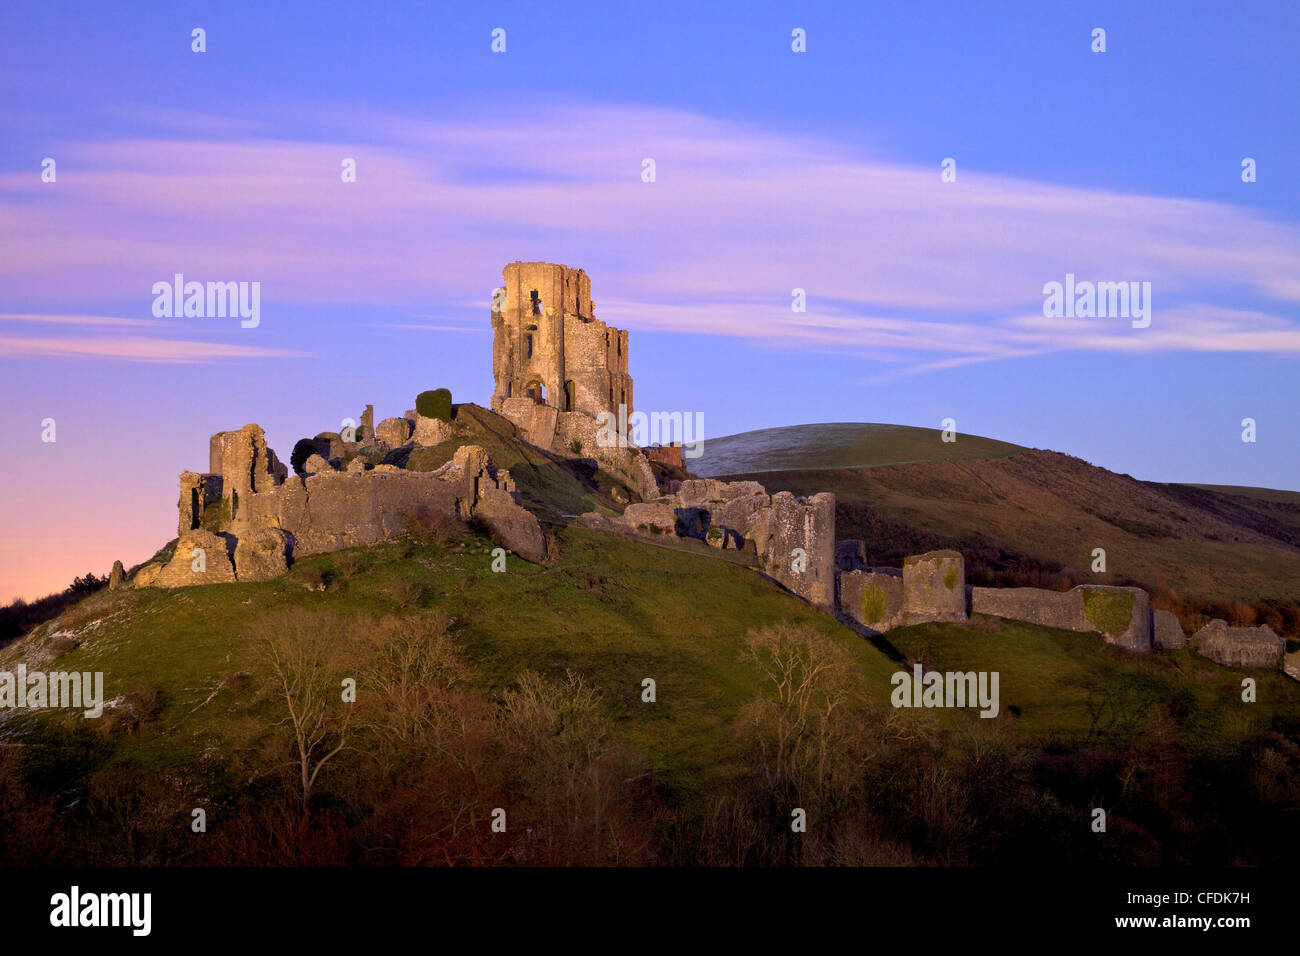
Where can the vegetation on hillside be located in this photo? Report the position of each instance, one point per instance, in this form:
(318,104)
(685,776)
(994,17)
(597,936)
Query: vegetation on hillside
(524,692)
(1035,519)
(20,616)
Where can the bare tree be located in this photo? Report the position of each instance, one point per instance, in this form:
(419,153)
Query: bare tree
(799,728)
(306,677)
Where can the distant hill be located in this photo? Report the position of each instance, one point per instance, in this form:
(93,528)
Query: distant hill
(1274,495)
(1034,518)
(839,445)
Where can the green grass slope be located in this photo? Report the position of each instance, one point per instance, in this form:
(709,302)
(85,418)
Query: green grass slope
(612,610)
(550,485)
(1164,741)
(1065,685)
(838,445)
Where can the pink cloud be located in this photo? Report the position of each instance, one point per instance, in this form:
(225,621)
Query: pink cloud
(136,348)
(891,258)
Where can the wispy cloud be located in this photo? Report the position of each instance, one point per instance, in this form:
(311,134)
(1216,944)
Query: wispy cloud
(441,328)
(894,262)
(44,317)
(137,348)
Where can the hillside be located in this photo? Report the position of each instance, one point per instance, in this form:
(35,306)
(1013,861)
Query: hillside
(838,445)
(1035,518)
(633,703)
(533,701)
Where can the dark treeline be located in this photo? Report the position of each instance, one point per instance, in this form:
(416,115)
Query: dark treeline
(19,617)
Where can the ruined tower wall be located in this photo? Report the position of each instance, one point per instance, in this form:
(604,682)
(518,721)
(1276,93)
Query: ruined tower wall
(596,363)
(545,334)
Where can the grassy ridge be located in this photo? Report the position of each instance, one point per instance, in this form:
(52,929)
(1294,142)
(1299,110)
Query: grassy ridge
(838,445)
(613,610)
(1063,684)
(617,612)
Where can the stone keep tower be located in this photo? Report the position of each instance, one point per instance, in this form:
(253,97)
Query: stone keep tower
(549,346)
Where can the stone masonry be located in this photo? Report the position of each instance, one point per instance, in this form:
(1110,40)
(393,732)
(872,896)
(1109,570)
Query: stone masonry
(1121,615)
(793,538)
(1255,647)
(557,369)
(549,347)
(249,518)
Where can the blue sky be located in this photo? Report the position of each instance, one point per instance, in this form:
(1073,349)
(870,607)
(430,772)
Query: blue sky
(775,170)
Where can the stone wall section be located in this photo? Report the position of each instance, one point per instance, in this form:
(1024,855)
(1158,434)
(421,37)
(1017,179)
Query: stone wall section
(1252,647)
(793,538)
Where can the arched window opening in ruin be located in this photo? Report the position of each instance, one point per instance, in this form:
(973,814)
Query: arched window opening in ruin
(536,303)
(528,346)
(570,395)
(537,392)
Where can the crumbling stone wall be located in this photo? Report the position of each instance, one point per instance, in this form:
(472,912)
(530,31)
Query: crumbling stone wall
(366,431)
(793,538)
(929,587)
(578,436)
(393,432)
(328,510)
(536,423)
(200,503)
(1121,615)
(595,361)
(1256,647)
(670,454)
(873,598)
(1166,631)
(331,510)
(1059,609)
(194,550)
(549,346)
(934,587)
(246,466)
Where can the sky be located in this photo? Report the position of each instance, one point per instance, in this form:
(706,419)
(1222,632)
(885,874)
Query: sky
(774,170)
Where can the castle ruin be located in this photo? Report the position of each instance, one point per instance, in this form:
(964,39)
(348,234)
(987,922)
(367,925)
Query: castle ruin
(557,369)
(548,347)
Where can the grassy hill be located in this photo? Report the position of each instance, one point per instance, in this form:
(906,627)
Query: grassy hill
(544,715)
(838,445)
(1035,518)
(613,610)
(1062,684)
(524,693)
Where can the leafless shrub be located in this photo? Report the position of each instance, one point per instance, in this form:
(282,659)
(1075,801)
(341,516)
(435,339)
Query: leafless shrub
(349,563)
(406,592)
(138,707)
(801,728)
(313,579)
